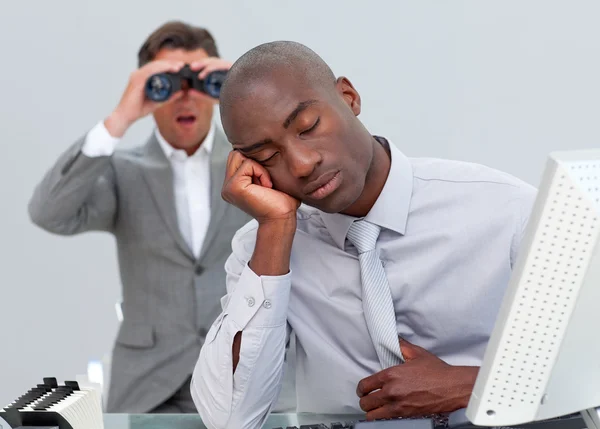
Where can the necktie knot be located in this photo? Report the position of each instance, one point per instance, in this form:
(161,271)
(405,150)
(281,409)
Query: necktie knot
(363,235)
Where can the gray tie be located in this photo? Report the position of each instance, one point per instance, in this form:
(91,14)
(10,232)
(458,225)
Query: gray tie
(376,295)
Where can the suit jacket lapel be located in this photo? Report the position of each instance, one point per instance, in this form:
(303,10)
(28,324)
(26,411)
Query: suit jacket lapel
(218,164)
(159,176)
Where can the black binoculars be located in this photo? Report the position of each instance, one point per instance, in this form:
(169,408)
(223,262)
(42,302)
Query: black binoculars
(159,87)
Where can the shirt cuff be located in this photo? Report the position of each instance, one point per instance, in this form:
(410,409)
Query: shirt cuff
(99,142)
(259,301)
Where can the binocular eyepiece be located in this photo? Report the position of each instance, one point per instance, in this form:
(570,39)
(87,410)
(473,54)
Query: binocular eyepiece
(161,86)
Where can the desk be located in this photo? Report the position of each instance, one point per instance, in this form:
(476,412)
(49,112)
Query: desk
(192,421)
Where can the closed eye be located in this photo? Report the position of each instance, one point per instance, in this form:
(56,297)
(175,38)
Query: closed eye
(311,129)
(262,162)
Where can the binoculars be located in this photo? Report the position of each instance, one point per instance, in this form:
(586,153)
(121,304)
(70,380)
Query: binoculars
(161,86)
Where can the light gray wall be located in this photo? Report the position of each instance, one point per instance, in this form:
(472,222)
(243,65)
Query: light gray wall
(500,83)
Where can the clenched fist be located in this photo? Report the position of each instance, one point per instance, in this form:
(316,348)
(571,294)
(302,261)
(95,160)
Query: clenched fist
(248,186)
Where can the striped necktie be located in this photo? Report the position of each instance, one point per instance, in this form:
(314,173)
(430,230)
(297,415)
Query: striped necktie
(377,301)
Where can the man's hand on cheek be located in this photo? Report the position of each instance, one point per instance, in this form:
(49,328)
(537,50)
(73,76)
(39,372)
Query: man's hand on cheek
(423,385)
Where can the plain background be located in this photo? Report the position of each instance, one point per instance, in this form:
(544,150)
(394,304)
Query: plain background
(498,83)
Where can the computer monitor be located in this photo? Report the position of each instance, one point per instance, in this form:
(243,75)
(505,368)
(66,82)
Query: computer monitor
(543,357)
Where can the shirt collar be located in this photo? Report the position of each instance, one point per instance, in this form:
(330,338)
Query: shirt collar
(206,146)
(391,208)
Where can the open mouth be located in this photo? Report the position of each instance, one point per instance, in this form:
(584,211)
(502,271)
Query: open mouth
(186,119)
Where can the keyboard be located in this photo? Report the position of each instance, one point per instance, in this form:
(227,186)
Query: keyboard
(456,420)
(48,405)
(362,424)
(383,424)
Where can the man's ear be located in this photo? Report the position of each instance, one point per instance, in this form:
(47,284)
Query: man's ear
(349,94)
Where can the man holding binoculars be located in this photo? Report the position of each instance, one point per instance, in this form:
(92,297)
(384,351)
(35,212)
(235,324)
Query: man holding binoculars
(162,202)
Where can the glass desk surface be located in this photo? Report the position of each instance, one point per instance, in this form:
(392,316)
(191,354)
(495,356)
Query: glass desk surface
(193,421)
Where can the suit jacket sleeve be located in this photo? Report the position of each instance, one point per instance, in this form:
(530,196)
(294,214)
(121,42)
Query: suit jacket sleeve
(77,194)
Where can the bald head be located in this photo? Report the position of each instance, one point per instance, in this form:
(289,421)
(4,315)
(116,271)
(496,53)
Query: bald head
(264,64)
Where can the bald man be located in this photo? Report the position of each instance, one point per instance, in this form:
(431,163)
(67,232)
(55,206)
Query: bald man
(389,270)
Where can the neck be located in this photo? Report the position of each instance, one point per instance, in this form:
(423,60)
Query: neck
(374,181)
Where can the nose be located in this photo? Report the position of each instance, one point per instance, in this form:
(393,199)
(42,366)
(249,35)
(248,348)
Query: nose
(303,159)
(186,88)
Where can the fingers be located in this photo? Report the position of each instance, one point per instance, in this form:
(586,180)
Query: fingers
(259,172)
(213,67)
(234,161)
(368,384)
(200,64)
(387,411)
(208,65)
(239,165)
(372,401)
(395,409)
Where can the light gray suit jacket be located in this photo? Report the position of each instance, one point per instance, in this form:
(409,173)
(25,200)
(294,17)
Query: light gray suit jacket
(170,299)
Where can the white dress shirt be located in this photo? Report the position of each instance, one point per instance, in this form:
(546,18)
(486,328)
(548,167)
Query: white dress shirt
(191,180)
(450,232)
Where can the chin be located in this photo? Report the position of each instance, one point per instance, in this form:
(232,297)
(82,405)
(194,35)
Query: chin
(187,141)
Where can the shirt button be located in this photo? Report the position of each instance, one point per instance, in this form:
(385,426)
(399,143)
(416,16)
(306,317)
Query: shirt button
(267,304)
(250,302)
(199,269)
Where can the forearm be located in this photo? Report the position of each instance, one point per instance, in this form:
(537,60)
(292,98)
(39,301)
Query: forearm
(273,248)
(117,123)
(271,257)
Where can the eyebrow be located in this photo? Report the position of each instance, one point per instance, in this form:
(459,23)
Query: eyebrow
(255,146)
(299,108)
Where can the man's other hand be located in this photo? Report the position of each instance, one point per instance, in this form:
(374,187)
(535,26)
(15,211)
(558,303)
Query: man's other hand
(210,64)
(423,385)
(134,104)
